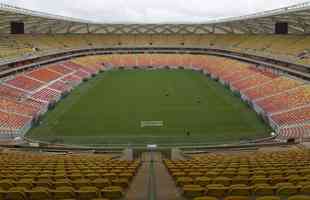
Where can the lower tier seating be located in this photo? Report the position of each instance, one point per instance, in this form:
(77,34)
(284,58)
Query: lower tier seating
(296,116)
(12,121)
(250,175)
(275,86)
(22,108)
(41,176)
(60,86)
(298,132)
(25,83)
(46,95)
(287,100)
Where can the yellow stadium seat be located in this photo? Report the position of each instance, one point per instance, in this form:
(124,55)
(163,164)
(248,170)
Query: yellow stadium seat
(39,193)
(6,184)
(216,190)
(240,190)
(305,189)
(16,193)
(222,180)
(278,179)
(303,183)
(26,183)
(299,197)
(87,193)
(211,174)
(195,174)
(101,183)
(100,199)
(184,181)
(63,193)
(192,191)
(62,182)
(237,198)
(92,176)
(228,174)
(260,180)
(109,175)
(78,183)
(296,179)
(239,180)
(112,192)
(268,198)
(205,198)
(203,181)
(44,183)
(126,175)
(287,190)
(263,190)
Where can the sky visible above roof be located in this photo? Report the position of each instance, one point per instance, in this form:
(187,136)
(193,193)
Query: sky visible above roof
(151,11)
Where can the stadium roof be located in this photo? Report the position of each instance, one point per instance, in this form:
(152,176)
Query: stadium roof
(297,16)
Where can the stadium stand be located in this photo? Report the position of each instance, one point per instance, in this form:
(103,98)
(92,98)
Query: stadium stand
(31,85)
(11,122)
(252,81)
(60,86)
(296,116)
(277,97)
(11,92)
(13,106)
(47,95)
(27,175)
(299,131)
(275,86)
(27,95)
(266,45)
(36,44)
(43,75)
(25,83)
(242,175)
(286,100)
(60,69)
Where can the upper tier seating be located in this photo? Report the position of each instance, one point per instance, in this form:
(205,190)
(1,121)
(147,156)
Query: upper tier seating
(40,176)
(266,45)
(254,174)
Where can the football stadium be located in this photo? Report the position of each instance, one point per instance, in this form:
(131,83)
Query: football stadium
(216,109)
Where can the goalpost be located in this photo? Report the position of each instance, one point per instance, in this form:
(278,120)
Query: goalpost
(151,124)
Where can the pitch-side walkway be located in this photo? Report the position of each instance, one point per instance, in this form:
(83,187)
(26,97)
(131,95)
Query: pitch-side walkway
(153,181)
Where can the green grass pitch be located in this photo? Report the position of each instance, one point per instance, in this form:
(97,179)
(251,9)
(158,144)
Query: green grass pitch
(109,108)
